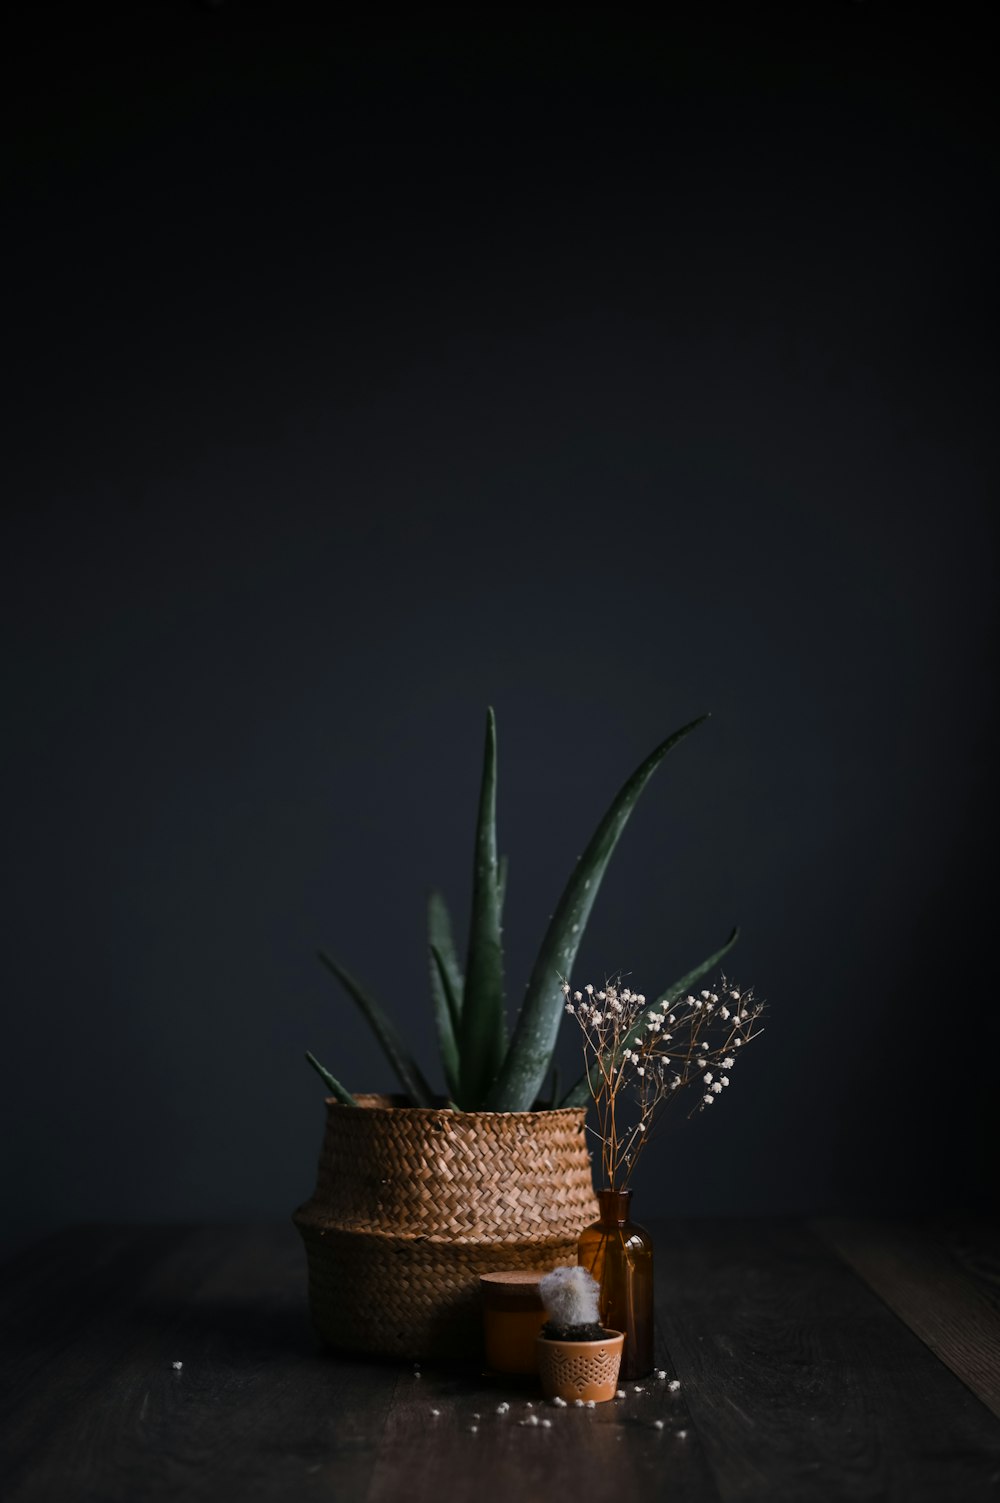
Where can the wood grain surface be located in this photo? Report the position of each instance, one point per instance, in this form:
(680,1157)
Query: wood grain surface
(844,1361)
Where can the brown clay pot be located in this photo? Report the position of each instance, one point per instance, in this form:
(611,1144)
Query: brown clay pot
(584,1370)
(413,1204)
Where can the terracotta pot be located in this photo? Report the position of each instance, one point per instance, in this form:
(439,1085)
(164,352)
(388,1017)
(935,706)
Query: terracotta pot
(584,1370)
(412,1204)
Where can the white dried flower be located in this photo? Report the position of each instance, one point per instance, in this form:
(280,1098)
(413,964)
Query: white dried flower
(704,1045)
(725,1079)
(708,1077)
(675,1082)
(737,1043)
(602,996)
(708,1099)
(641,1070)
(596,1017)
(570,1009)
(578,996)
(717,1087)
(577,1403)
(706,995)
(728,1063)
(589,990)
(672,1018)
(713,997)
(703,1064)
(565,988)
(674,1384)
(735,995)
(640,999)
(723,1012)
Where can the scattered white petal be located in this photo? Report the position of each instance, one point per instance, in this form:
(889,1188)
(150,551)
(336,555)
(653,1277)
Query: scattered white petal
(547,1423)
(473,1429)
(477,1416)
(682,1435)
(591,1404)
(674,1384)
(435,1412)
(661,1372)
(532,1419)
(559,1403)
(177,1366)
(620,1393)
(577,1403)
(658,1424)
(502,1408)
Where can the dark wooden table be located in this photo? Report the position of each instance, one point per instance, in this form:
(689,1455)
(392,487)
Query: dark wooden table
(820,1361)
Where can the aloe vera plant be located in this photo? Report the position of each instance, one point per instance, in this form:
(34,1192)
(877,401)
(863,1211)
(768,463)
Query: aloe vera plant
(482,1069)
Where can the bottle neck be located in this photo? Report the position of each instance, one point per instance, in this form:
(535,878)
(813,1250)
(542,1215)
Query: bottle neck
(614,1206)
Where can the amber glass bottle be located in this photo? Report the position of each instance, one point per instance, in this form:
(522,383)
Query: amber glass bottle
(619,1254)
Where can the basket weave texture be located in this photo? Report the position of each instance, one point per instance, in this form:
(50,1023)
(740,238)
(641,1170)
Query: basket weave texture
(412,1204)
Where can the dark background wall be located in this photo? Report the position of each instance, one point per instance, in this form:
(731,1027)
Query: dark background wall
(601,368)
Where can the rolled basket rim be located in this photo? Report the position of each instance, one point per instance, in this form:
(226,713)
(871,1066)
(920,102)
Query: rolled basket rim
(377,1104)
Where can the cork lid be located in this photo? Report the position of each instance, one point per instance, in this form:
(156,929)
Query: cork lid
(519,1284)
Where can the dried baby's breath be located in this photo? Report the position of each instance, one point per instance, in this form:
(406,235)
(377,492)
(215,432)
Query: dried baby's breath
(639,1056)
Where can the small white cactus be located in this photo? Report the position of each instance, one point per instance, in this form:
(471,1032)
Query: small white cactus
(570,1296)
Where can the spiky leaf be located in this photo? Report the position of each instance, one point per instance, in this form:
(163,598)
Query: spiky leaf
(501,884)
(405,1066)
(481,1029)
(331,1082)
(445,1008)
(440,938)
(531,1047)
(580,1094)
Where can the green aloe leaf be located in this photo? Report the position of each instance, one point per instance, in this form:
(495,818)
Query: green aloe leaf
(580,1094)
(331,1082)
(482,1025)
(445,1008)
(501,883)
(527,1059)
(406,1068)
(440,938)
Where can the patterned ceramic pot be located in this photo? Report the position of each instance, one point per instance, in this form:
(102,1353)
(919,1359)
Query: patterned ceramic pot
(584,1370)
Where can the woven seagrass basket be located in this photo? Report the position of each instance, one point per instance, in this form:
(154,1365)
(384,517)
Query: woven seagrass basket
(412,1204)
